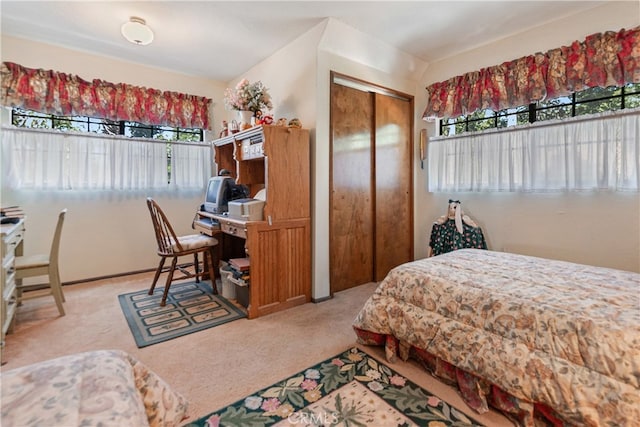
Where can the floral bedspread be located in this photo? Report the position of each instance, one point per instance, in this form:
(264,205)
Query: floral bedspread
(551,332)
(99,388)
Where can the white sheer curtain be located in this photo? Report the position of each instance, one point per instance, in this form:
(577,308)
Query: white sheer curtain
(190,165)
(46,160)
(599,153)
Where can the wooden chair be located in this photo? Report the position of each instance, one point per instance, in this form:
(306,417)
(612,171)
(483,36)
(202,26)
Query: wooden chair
(42,265)
(172,246)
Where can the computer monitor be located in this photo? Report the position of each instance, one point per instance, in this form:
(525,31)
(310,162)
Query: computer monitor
(218,194)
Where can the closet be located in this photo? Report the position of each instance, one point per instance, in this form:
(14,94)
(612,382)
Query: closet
(371,184)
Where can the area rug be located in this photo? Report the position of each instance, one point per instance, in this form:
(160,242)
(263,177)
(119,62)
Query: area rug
(190,307)
(350,389)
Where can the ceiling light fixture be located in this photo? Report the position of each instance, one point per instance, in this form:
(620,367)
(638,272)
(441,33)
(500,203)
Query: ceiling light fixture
(136,31)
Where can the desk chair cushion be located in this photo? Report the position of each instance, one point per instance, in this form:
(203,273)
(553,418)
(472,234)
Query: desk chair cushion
(194,241)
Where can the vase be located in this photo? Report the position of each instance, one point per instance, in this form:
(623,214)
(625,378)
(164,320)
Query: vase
(244,117)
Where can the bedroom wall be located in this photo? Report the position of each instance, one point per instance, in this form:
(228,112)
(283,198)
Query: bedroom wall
(105,232)
(301,89)
(599,228)
(374,62)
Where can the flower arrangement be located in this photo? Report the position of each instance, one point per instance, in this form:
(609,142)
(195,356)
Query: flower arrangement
(248,96)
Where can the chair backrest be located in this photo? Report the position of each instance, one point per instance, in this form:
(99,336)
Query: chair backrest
(165,236)
(55,244)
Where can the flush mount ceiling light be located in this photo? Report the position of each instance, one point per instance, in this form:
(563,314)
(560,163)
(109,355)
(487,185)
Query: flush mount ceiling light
(136,31)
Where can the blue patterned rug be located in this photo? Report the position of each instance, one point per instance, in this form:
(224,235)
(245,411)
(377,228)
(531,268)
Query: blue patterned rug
(190,307)
(349,389)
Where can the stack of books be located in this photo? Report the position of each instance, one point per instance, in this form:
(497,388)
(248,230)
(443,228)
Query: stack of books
(11,214)
(240,269)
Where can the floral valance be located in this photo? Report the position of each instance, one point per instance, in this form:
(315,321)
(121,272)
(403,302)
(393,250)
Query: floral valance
(63,94)
(602,59)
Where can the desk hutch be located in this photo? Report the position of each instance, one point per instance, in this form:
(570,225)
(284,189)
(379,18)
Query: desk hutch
(276,159)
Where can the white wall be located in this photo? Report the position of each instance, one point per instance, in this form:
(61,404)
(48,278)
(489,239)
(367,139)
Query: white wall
(293,87)
(106,232)
(362,59)
(110,233)
(289,74)
(300,88)
(592,228)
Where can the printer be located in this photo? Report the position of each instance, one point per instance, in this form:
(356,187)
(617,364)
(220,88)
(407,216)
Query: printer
(246,209)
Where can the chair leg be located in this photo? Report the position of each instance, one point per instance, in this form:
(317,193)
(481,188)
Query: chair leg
(163,302)
(212,271)
(215,257)
(196,265)
(157,275)
(56,272)
(56,291)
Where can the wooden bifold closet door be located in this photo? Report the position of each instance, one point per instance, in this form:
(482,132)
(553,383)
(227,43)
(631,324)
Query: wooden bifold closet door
(371,214)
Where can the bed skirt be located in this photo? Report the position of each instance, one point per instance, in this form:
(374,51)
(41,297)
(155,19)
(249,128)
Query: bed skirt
(478,393)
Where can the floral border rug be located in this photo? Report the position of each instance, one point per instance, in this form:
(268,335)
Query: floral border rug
(350,389)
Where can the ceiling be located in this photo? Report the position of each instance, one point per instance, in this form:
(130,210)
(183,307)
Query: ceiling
(220,40)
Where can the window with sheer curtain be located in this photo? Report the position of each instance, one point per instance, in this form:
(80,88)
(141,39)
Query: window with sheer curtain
(599,153)
(45,160)
(64,159)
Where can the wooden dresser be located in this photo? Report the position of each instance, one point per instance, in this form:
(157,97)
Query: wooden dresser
(11,241)
(276,159)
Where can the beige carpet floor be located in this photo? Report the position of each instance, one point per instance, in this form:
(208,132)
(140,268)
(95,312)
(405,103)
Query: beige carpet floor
(214,367)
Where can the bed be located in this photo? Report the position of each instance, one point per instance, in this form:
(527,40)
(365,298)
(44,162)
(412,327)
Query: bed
(98,388)
(543,341)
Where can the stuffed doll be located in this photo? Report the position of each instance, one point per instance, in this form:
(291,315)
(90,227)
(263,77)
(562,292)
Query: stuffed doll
(456,213)
(455,230)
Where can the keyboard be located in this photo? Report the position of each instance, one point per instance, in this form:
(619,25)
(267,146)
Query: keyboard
(206,225)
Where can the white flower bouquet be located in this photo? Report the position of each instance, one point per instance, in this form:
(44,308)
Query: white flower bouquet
(248,97)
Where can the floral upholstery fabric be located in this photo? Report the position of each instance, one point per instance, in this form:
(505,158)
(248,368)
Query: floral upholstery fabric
(100,388)
(555,334)
(446,238)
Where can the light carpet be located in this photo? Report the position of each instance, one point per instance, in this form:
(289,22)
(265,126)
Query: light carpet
(190,307)
(349,389)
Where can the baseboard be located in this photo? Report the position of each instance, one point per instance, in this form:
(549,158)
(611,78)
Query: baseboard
(112,276)
(317,300)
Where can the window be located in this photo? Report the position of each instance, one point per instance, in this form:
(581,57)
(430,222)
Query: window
(36,120)
(589,101)
(594,153)
(94,153)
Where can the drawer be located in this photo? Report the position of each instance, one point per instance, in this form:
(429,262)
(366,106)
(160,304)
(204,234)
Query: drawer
(8,302)
(11,239)
(8,272)
(8,310)
(233,229)
(8,261)
(8,278)
(9,287)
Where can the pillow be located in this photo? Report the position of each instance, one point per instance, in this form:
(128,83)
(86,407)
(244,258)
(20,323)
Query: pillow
(164,406)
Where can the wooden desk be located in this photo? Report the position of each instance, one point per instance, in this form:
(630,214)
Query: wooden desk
(280,256)
(276,159)
(12,243)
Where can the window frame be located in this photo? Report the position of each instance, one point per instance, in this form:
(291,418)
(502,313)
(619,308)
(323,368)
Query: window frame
(125,128)
(470,123)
